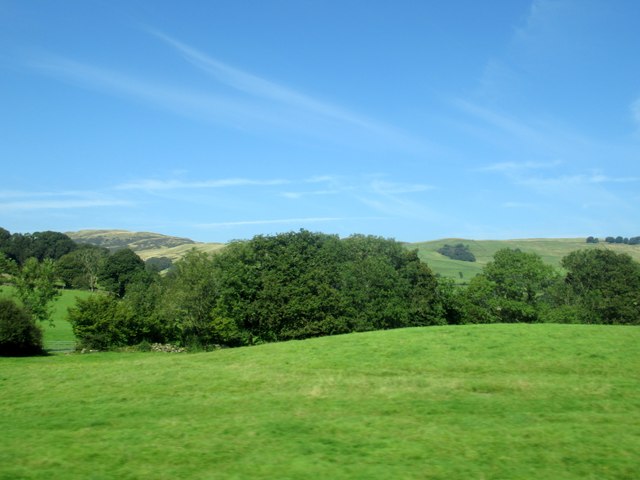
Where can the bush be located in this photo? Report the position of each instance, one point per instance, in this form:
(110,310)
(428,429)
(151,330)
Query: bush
(19,334)
(103,322)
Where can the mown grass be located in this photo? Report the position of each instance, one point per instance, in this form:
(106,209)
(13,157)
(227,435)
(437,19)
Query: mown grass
(552,250)
(482,401)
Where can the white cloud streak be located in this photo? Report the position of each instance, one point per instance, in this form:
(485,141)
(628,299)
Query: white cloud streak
(257,103)
(508,167)
(263,88)
(156,185)
(296,195)
(181,101)
(575,180)
(59,204)
(281,221)
(391,188)
(283,96)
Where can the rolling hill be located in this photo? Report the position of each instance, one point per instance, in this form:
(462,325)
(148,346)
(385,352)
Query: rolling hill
(154,245)
(145,244)
(473,401)
(552,250)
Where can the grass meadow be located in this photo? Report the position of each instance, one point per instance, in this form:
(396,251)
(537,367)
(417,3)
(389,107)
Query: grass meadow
(551,250)
(57,336)
(468,402)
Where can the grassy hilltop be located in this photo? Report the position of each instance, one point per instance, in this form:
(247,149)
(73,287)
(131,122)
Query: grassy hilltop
(478,401)
(145,244)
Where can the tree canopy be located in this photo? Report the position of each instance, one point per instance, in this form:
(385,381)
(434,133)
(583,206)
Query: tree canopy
(604,286)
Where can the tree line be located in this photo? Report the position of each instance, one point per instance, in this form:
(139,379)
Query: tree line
(302,284)
(618,239)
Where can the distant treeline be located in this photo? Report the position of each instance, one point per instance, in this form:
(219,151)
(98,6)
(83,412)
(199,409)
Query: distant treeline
(78,265)
(302,284)
(40,245)
(624,240)
(457,252)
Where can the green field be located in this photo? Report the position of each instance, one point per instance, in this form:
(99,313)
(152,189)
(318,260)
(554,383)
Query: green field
(58,336)
(456,402)
(550,249)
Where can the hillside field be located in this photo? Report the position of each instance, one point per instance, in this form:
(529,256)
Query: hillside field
(552,250)
(480,401)
(152,245)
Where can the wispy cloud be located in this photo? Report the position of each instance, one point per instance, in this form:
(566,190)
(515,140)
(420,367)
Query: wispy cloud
(279,221)
(253,103)
(501,121)
(296,195)
(156,185)
(266,89)
(185,102)
(520,205)
(393,188)
(510,167)
(17,206)
(566,181)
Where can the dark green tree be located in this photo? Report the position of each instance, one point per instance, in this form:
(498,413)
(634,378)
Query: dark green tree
(510,288)
(603,285)
(120,269)
(457,252)
(79,269)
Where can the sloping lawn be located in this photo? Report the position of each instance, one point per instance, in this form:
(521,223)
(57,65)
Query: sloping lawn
(482,401)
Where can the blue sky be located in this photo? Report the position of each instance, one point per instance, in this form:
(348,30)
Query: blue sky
(416,120)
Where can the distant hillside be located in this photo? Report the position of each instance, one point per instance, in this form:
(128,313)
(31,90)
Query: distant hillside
(154,245)
(145,244)
(550,249)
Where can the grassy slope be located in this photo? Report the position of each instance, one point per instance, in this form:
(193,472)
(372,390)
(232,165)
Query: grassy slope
(176,253)
(550,249)
(145,244)
(484,401)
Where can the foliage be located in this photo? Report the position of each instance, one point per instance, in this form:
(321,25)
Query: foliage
(288,286)
(189,300)
(299,285)
(7,265)
(457,252)
(36,287)
(118,270)
(19,334)
(510,289)
(102,322)
(158,264)
(625,240)
(40,245)
(603,285)
(79,269)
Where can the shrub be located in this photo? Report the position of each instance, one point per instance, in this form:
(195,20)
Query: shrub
(19,334)
(103,322)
